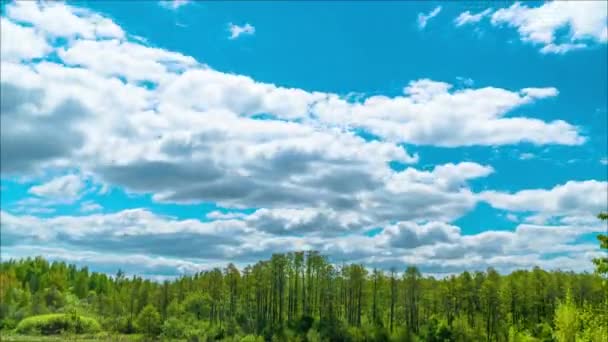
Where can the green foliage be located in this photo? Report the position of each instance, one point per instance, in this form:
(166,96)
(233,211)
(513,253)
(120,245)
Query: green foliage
(594,325)
(520,336)
(57,324)
(313,336)
(303,297)
(601,263)
(173,328)
(543,332)
(148,321)
(251,338)
(566,321)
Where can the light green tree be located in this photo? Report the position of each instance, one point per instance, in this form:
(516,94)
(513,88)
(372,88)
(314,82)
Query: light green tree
(148,321)
(566,320)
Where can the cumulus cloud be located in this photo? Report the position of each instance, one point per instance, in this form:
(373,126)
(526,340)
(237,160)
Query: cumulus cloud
(237,31)
(152,121)
(133,61)
(423,19)
(436,247)
(128,231)
(14,49)
(411,235)
(571,198)
(586,22)
(59,20)
(33,134)
(432,114)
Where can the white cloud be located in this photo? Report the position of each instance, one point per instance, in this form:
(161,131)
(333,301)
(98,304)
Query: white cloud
(561,48)
(218,215)
(190,134)
(134,61)
(237,31)
(191,137)
(14,48)
(469,18)
(431,113)
(424,18)
(166,243)
(59,20)
(109,263)
(64,188)
(604,161)
(571,198)
(586,21)
(410,235)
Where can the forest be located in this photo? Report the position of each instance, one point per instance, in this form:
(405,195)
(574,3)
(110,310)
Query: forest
(301,296)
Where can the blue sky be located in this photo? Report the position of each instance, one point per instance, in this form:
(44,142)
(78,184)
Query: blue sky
(168,137)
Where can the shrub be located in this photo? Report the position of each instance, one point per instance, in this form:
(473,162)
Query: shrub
(56,324)
(174,328)
(252,338)
(148,321)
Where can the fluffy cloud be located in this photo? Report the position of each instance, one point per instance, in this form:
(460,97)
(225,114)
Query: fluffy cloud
(571,198)
(193,135)
(585,20)
(157,122)
(304,221)
(33,134)
(59,20)
(128,231)
(133,61)
(156,268)
(13,37)
(431,114)
(436,247)
(423,19)
(410,235)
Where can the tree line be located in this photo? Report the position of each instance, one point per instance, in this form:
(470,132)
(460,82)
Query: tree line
(301,296)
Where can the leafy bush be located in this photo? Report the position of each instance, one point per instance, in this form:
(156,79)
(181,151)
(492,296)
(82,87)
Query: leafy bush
(252,338)
(174,328)
(148,321)
(57,323)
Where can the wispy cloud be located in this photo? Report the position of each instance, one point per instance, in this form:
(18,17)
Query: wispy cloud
(236,30)
(173,4)
(527,156)
(469,18)
(89,206)
(423,19)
